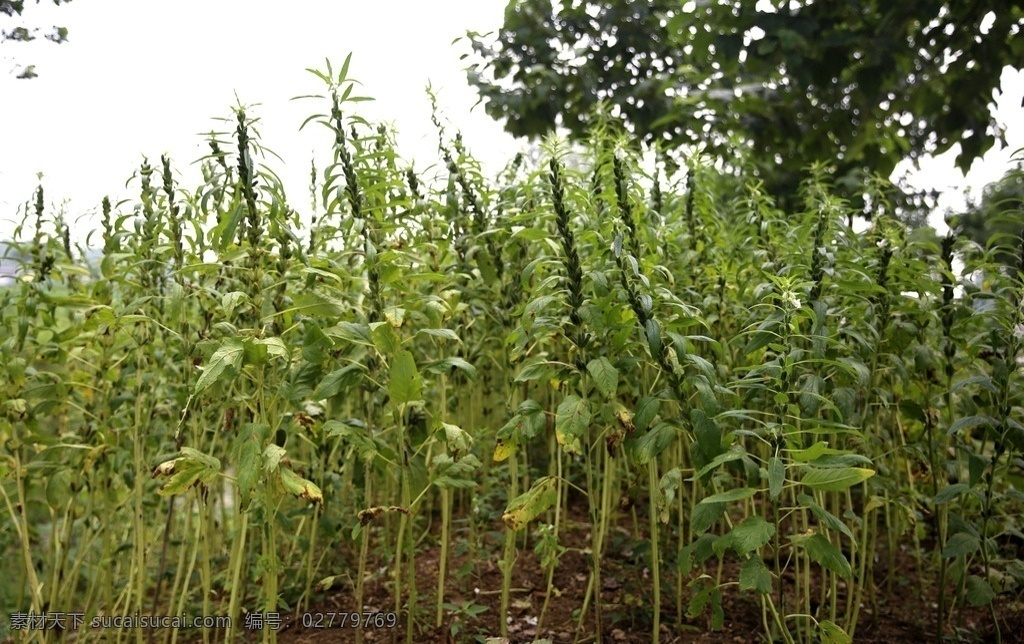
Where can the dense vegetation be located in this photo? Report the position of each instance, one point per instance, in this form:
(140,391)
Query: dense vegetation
(240,408)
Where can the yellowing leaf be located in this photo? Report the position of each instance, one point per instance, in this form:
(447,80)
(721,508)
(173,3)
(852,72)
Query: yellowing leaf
(527,506)
(300,487)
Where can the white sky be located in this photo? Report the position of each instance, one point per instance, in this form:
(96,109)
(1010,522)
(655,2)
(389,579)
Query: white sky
(147,77)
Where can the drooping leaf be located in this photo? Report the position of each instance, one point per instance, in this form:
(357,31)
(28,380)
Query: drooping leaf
(404,384)
(754,575)
(776,476)
(339,380)
(225,360)
(704,516)
(459,441)
(821,551)
(835,479)
(449,364)
(353,434)
(735,494)
(571,423)
(604,375)
(272,456)
(951,492)
(654,442)
(667,487)
(300,487)
(248,458)
(385,338)
(830,520)
(528,506)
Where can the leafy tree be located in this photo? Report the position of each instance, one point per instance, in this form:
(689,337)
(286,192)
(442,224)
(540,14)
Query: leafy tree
(998,217)
(20,33)
(861,85)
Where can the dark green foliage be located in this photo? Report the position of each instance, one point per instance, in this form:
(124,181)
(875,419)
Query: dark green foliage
(861,86)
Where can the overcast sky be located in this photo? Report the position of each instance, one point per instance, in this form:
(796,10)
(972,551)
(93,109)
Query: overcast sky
(147,77)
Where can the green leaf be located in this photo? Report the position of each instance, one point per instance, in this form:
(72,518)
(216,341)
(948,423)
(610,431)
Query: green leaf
(225,361)
(444,366)
(705,515)
(395,315)
(337,381)
(961,544)
(776,476)
(385,339)
(811,453)
(747,536)
(969,422)
(667,488)
(528,506)
(189,469)
(444,334)
(716,462)
(654,442)
(951,492)
(835,479)
(229,301)
(654,341)
(272,457)
(979,592)
(459,441)
(404,385)
(736,494)
(571,423)
(309,303)
(275,347)
(354,435)
(830,520)
(58,488)
(605,376)
(184,474)
(248,458)
(831,633)
(537,309)
(821,551)
(646,410)
(300,487)
(754,575)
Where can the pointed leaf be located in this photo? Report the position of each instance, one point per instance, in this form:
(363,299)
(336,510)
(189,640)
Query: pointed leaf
(604,375)
(227,359)
(736,494)
(776,476)
(835,479)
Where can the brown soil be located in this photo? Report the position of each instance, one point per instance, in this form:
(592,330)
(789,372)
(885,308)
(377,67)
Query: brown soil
(900,612)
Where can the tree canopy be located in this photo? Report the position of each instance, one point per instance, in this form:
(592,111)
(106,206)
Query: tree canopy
(997,218)
(10,11)
(862,84)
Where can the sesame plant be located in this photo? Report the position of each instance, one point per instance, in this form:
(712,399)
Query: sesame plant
(226,404)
